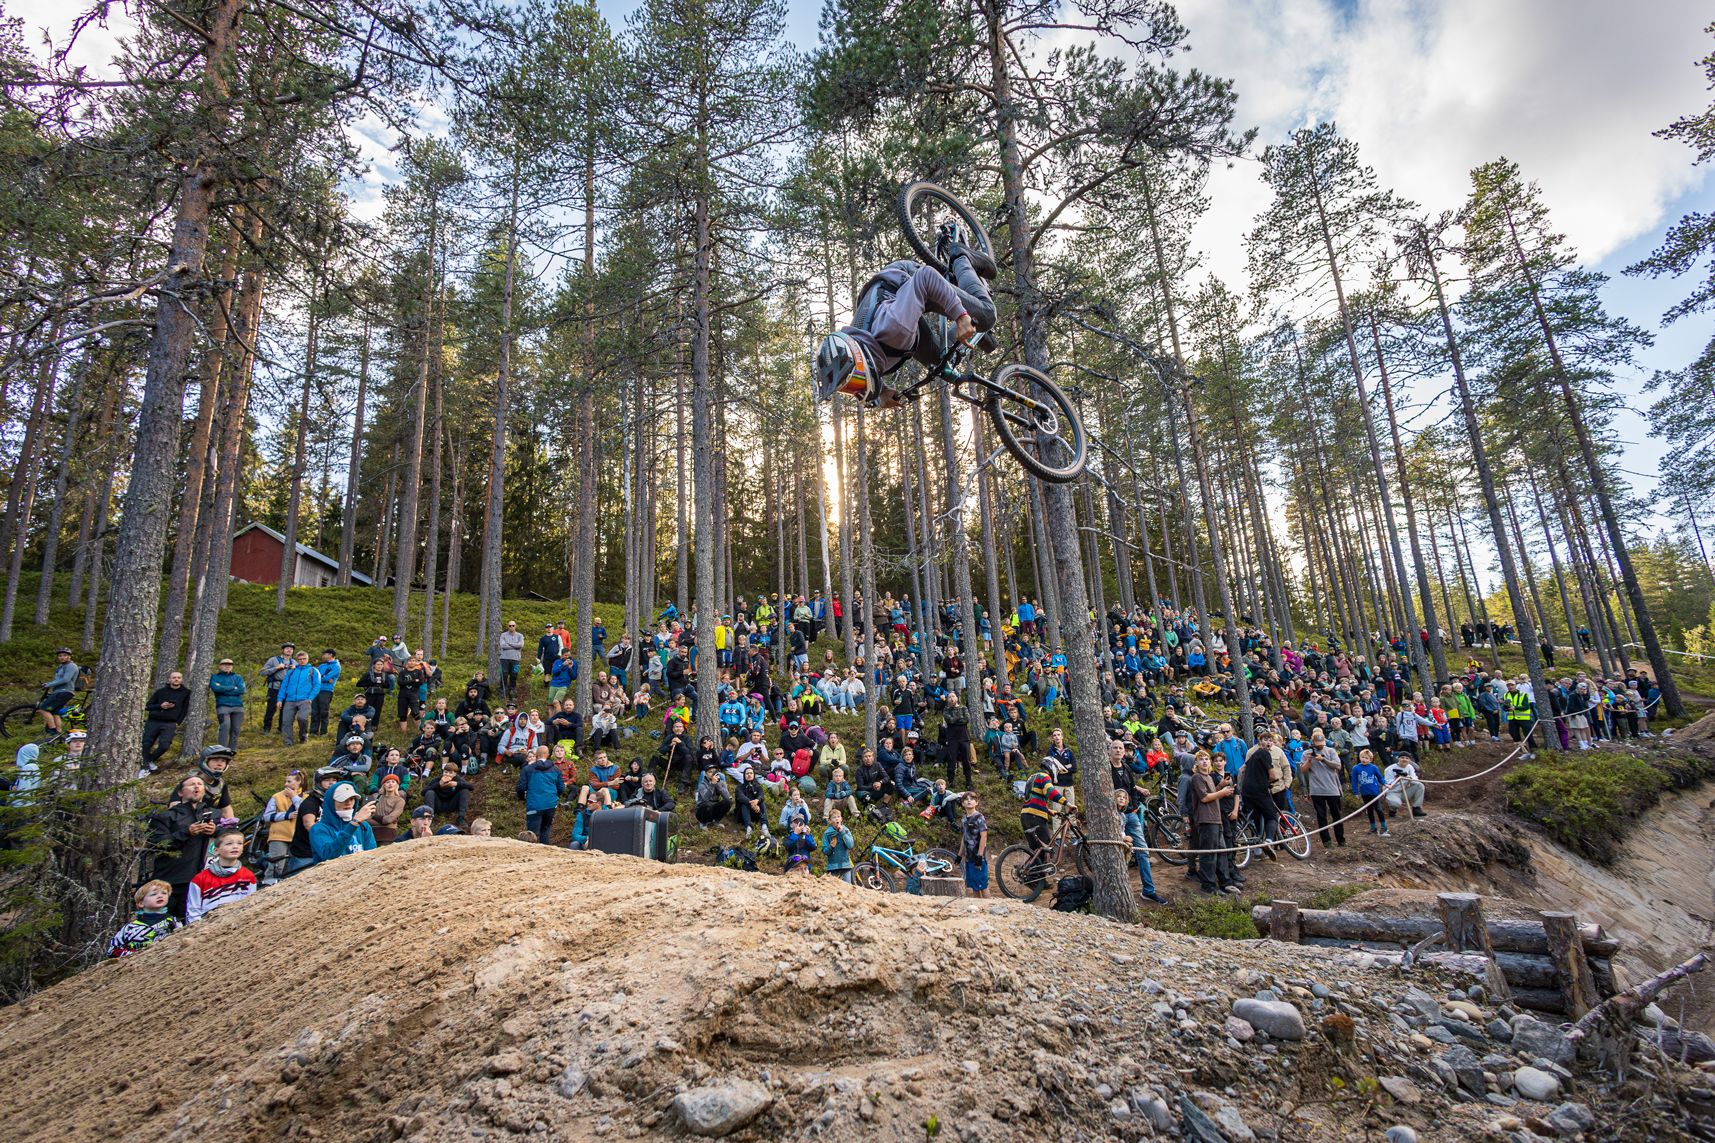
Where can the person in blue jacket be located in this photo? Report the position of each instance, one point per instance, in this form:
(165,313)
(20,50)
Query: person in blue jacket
(298,689)
(345,829)
(328,670)
(228,688)
(541,786)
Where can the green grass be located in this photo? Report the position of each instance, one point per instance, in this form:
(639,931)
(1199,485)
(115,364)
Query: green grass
(1222,916)
(348,619)
(1332,897)
(1587,800)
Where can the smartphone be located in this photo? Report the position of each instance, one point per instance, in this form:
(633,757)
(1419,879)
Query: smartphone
(206,816)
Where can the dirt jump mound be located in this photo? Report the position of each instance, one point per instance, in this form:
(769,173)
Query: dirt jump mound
(462,988)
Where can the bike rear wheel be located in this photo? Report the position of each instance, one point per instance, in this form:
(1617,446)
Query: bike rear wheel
(16,721)
(922,207)
(1247,839)
(1037,424)
(1018,878)
(1292,836)
(942,862)
(871,875)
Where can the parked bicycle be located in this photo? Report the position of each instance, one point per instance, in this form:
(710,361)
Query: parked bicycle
(1291,836)
(1024,871)
(881,861)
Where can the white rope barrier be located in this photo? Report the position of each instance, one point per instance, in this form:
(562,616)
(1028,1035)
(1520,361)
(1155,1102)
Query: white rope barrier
(1308,830)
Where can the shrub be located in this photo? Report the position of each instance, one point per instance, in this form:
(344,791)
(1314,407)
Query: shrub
(1586,801)
(1223,916)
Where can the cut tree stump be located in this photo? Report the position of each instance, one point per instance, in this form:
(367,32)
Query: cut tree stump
(1571,970)
(1466,932)
(1283,921)
(943,887)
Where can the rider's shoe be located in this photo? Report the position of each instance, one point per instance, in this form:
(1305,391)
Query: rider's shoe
(949,247)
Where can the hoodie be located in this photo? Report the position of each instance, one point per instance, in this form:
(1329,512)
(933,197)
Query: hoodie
(541,785)
(29,777)
(333,836)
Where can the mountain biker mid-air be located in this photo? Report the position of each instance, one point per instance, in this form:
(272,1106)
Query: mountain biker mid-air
(890,321)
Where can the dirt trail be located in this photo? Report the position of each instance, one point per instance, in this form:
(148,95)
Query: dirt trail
(460,988)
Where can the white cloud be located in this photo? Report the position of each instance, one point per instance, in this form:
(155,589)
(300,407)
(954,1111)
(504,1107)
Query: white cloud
(1569,89)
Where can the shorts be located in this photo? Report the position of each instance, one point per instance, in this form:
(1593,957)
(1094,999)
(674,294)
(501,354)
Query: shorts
(905,721)
(976,876)
(55,702)
(410,708)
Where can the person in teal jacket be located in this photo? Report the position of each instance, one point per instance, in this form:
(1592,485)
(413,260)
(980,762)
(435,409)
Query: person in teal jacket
(345,829)
(228,688)
(837,845)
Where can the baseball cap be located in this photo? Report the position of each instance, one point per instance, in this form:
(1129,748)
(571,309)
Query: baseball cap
(341,792)
(446,829)
(423,812)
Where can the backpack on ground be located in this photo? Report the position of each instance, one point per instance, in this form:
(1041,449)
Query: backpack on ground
(1072,894)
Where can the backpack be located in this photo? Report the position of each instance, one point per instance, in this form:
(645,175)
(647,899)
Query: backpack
(85,678)
(1072,894)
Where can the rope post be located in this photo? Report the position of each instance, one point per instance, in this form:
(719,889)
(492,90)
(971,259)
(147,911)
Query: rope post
(1283,922)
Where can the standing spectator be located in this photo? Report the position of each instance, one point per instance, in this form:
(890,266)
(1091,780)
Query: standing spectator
(166,710)
(273,674)
(298,690)
(1214,870)
(837,846)
(329,669)
(955,742)
(619,660)
(549,648)
(973,846)
(1367,784)
(228,688)
(413,681)
(375,684)
(346,828)
(511,652)
(1131,824)
(1325,787)
(541,785)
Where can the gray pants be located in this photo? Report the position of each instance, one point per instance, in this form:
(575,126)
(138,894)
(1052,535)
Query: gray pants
(297,712)
(898,324)
(276,868)
(231,721)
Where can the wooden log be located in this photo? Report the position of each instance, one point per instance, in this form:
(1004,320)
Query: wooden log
(1539,1000)
(1283,921)
(1504,935)
(943,886)
(1464,930)
(1571,969)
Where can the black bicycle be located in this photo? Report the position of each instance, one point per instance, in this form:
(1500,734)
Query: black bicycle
(1034,419)
(16,720)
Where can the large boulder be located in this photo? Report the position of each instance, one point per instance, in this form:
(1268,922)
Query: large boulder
(720,1109)
(1276,1017)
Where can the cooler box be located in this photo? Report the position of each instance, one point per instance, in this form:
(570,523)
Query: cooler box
(631,830)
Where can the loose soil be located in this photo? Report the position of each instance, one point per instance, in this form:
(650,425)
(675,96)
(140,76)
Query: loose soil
(459,988)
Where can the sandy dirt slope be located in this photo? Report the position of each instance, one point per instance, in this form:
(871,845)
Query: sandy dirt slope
(459,988)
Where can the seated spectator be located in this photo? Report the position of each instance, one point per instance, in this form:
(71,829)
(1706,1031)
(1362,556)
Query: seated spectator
(149,924)
(449,794)
(793,807)
(422,825)
(872,782)
(750,805)
(389,808)
(473,707)
(392,765)
(838,795)
(828,756)
(279,813)
(630,782)
(713,801)
(353,755)
(482,827)
(754,752)
(604,727)
(603,777)
(906,781)
(779,773)
(345,829)
(652,797)
(223,879)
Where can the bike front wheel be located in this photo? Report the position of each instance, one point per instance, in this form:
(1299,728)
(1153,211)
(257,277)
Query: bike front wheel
(922,207)
(1020,878)
(1247,841)
(1036,423)
(871,875)
(942,862)
(1292,836)
(1168,834)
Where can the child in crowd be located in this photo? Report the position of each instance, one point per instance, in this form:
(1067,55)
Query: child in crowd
(223,879)
(838,796)
(1367,784)
(800,845)
(973,846)
(149,924)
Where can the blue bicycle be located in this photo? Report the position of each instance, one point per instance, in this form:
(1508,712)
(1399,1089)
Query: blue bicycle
(902,856)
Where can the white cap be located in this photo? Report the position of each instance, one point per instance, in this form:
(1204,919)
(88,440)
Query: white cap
(342,792)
